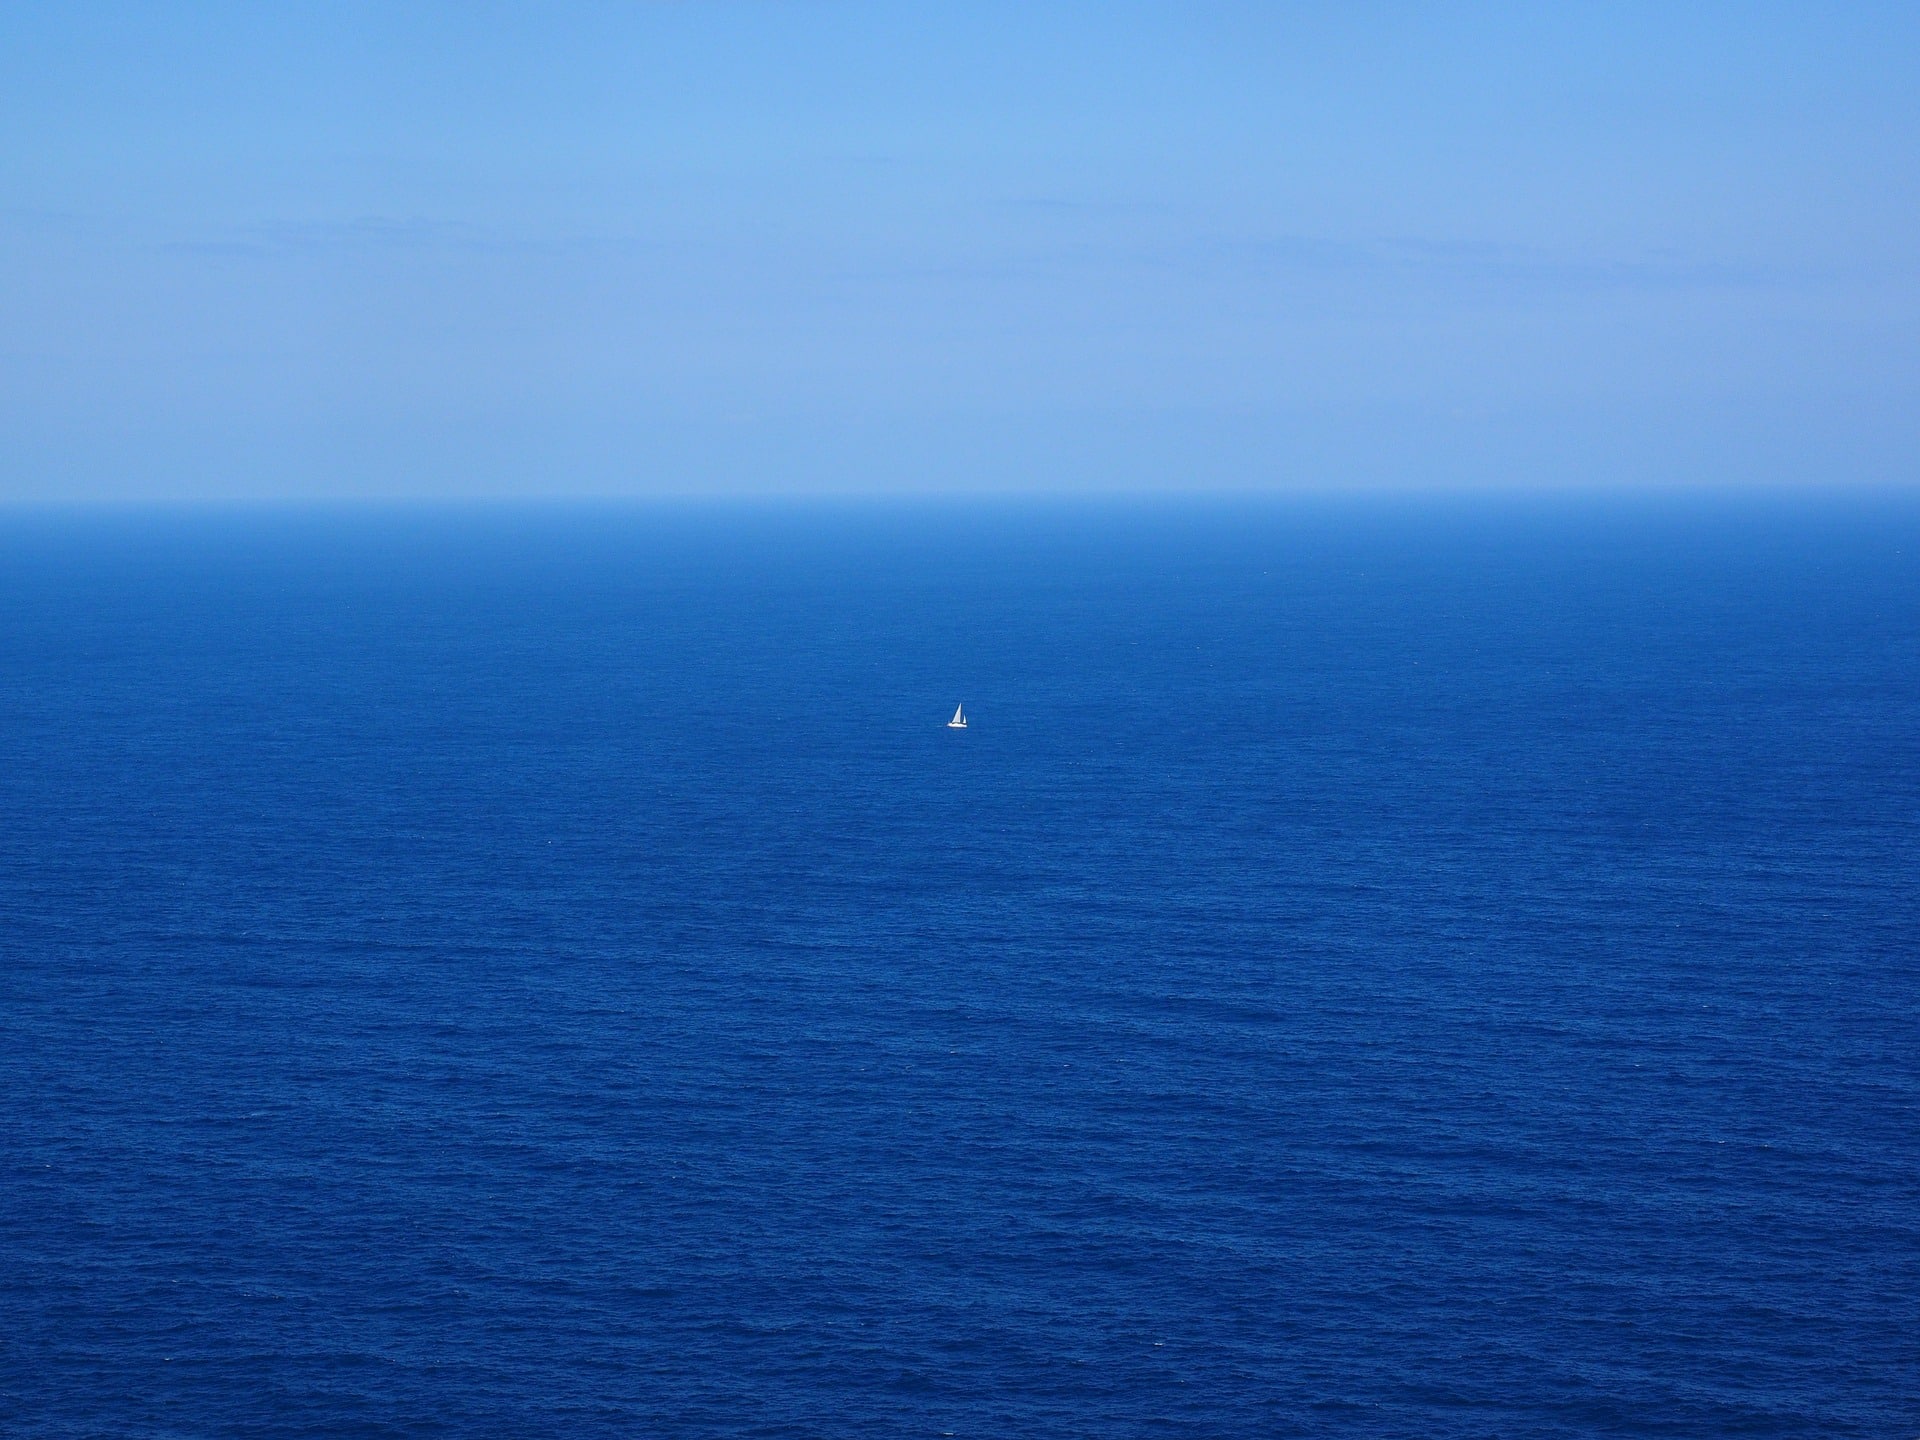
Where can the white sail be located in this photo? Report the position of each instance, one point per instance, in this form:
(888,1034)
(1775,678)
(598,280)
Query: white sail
(959,721)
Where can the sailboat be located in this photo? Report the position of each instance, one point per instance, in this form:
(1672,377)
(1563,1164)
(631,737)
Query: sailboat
(959,721)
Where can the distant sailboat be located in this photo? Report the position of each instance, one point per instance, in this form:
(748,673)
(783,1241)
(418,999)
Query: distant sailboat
(959,721)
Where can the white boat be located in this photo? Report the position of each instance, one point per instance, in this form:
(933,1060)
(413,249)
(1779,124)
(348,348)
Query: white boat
(959,721)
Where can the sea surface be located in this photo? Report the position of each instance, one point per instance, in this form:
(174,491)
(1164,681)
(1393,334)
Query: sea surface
(1370,968)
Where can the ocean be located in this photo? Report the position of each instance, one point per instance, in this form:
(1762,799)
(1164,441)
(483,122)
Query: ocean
(1372,967)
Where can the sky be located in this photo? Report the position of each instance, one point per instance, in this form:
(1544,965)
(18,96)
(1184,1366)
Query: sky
(338,250)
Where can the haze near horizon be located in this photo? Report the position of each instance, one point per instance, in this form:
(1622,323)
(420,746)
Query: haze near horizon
(440,252)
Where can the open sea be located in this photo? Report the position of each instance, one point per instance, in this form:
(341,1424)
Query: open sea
(1370,968)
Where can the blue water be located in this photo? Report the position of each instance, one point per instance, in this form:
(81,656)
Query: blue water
(1379,969)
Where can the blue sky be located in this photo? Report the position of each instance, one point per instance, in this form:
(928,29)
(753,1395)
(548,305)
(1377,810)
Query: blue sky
(476,249)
